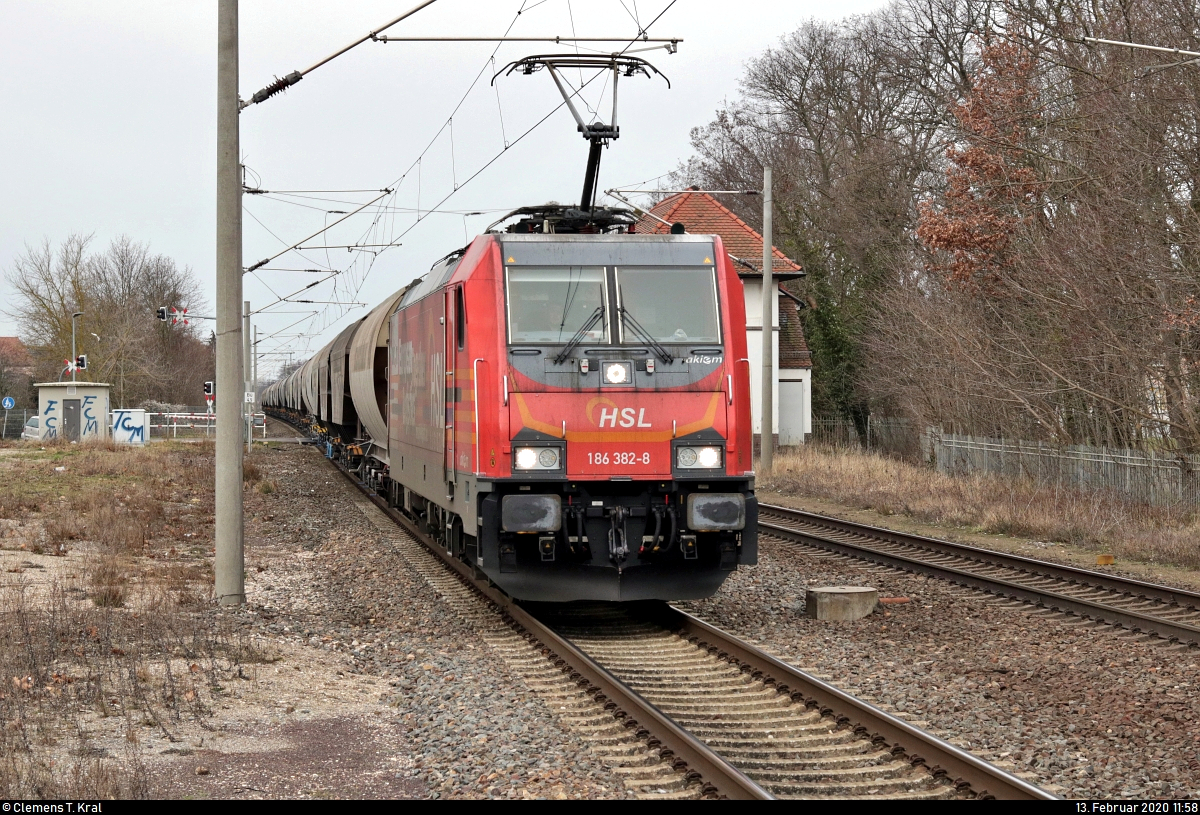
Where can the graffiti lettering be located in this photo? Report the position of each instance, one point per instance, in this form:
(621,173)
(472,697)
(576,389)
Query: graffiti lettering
(49,420)
(91,426)
(123,422)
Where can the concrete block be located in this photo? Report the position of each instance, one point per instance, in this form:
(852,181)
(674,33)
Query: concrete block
(840,602)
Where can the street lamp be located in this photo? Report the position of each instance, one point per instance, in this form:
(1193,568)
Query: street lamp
(73,356)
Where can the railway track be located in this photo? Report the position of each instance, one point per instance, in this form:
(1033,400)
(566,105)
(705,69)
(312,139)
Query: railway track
(791,733)
(735,721)
(1143,608)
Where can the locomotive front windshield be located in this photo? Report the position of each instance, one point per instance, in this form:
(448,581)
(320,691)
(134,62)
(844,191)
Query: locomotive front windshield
(669,303)
(552,304)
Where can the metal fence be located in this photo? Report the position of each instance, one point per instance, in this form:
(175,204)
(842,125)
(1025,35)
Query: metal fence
(170,425)
(893,437)
(174,425)
(13,421)
(1156,478)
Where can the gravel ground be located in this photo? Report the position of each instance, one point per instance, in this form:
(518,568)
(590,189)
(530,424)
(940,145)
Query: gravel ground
(1089,711)
(371,686)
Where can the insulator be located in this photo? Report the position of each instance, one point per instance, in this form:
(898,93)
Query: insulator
(278,86)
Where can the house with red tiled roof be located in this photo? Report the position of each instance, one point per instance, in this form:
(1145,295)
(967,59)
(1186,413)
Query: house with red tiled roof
(701,213)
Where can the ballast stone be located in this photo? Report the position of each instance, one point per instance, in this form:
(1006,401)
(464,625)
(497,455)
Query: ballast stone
(840,602)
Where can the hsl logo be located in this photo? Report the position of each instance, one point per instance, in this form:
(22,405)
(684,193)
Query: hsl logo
(614,416)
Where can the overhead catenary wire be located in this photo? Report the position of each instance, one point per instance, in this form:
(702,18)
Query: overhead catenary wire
(326,228)
(412,226)
(388,208)
(615,194)
(293,294)
(272,233)
(559,40)
(310,314)
(295,76)
(391,187)
(358,279)
(671,192)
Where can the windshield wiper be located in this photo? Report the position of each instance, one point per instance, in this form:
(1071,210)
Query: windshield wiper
(644,336)
(596,317)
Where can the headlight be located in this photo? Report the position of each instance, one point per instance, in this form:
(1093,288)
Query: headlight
(698,458)
(537,458)
(526,458)
(616,373)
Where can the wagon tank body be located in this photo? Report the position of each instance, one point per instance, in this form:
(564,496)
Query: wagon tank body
(367,364)
(341,402)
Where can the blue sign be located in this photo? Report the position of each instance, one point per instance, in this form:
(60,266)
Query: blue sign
(9,403)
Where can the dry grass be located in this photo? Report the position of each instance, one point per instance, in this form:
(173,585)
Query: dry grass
(131,645)
(250,472)
(82,680)
(107,579)
(1090,519)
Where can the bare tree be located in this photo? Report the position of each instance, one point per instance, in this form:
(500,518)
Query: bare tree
(852,118)
(118,290)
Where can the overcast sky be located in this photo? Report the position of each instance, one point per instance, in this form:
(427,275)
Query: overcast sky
(109,128)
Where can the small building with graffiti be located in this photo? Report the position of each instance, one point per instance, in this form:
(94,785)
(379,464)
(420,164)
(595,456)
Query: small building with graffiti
(73,410)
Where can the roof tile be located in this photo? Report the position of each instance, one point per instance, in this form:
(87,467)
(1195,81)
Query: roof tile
(704,215)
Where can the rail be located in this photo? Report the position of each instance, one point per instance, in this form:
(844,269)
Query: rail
(984,779)
(719,776)
(966,565)
(725,779)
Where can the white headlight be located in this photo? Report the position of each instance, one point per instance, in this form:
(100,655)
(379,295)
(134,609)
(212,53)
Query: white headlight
(526,458)
(548,458)
(615,374)
(698,458)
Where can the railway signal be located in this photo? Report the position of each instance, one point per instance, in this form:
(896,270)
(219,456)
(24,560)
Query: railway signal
(81,362)
(177,315)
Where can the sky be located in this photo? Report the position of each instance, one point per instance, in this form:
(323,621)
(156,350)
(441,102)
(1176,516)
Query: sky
(109,129)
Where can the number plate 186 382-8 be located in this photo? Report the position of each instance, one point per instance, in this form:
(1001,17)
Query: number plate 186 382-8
(611,459)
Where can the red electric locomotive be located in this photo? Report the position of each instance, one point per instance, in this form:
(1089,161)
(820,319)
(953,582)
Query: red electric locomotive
(563,404)
(570,412)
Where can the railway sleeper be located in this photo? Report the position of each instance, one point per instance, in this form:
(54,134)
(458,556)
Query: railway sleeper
(885,769)
(770,754)
(744,741)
